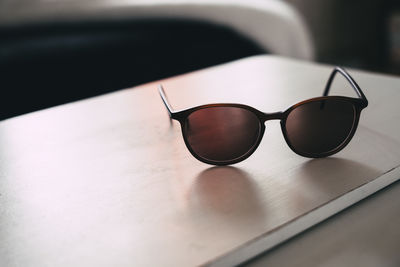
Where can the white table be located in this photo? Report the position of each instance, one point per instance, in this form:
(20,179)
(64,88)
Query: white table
(108,181)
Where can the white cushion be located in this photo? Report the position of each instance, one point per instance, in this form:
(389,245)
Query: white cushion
(273,24)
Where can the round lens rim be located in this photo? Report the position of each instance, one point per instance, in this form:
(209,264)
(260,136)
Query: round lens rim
(257,113)
(357,106)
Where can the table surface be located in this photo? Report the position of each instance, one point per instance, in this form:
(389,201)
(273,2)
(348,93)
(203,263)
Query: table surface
(108,180)
(366,234)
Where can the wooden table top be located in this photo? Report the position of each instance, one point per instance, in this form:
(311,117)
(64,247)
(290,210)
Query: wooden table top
(108,181)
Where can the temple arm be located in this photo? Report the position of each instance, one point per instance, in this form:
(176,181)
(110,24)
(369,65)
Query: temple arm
(349,79)
(165,101)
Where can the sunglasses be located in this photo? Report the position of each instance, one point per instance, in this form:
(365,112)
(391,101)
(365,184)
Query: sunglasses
(223,134)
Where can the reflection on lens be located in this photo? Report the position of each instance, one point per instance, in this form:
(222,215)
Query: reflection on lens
(320,126)
(222,133)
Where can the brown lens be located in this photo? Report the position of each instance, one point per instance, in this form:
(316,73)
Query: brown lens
(320,127)
(222,134)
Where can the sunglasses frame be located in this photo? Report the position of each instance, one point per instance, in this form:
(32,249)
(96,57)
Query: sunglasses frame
(358,104)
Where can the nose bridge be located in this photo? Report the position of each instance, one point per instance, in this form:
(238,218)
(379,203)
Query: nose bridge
(273,116)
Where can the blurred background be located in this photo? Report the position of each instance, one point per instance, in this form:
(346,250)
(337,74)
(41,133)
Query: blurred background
(57,51)
(358,33)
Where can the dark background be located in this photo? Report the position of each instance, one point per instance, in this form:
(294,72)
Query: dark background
(357,33)
(44,65)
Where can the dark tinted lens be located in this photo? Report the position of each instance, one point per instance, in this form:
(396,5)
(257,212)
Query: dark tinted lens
(320,126)
(222,133)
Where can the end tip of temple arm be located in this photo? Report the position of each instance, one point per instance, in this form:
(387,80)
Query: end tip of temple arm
(165,100)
